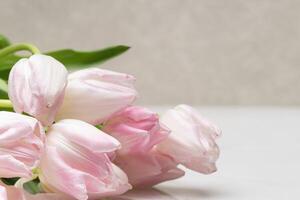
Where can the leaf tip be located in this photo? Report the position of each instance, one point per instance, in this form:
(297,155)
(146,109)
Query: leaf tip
(125,47)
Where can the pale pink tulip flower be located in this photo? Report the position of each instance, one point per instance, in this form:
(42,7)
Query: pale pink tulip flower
(93,94)
(137,128)
(148,168)
(192,139)
(75,162)
(21,144)
(11,193)
(14,193)
(36,87)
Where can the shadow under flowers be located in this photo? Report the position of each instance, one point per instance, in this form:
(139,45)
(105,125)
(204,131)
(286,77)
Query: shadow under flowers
(195,193)
(144,194)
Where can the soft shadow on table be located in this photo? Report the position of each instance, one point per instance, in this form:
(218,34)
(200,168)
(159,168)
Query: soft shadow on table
(193,192)
(144,194)
(173,193)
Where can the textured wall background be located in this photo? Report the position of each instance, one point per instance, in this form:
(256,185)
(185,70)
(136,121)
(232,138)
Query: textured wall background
(211,52)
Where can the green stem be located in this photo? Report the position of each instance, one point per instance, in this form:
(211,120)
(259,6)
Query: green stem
(19,47)
(5,103)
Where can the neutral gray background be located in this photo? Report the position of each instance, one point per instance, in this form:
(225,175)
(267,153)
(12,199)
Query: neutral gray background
(202,52)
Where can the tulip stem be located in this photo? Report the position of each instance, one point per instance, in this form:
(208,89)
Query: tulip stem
(5,103)
(19,47)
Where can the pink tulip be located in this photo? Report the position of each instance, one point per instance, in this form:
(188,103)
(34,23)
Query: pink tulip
(93,94)
(192,139)
(14,193)
(36,87)
(11,193)
(137,128)
(148,168)
(75,162)
(21,144)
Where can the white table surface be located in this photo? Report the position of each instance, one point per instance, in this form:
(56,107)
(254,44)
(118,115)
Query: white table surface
(260,157)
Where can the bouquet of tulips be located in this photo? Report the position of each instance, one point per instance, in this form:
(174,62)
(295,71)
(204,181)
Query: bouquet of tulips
(77,134)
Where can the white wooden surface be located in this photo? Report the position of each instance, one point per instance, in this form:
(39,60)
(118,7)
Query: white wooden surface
(260,157)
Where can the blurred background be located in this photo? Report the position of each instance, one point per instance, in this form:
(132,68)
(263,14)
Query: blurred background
(201,52)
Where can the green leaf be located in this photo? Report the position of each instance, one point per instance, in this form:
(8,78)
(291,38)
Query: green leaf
(3,89)
(79,59)
(33,186)
(72,59)
(10,181)
(4,42)
(7,62)
(4,74)
(3,86)
(100,126)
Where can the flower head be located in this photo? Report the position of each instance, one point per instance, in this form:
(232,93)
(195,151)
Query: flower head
(76,163)
(137,128)
(36,87)
(192,139)
(21,144)
(93,94)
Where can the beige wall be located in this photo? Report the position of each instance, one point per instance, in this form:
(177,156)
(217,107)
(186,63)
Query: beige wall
(193,51)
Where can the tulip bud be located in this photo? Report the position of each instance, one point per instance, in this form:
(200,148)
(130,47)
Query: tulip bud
(137,128)
(192,139)
(148,168)
(21,144)
(36,87)
(92,95)
(75,162)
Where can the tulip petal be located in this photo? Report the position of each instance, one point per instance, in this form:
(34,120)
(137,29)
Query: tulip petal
(192,139)
(36,86)
(153,168)
(21,144)
(11,167)
(93,94)
(76,162)
(137,128)
(11,193)
(3,194)
(85,135)
(56,175)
